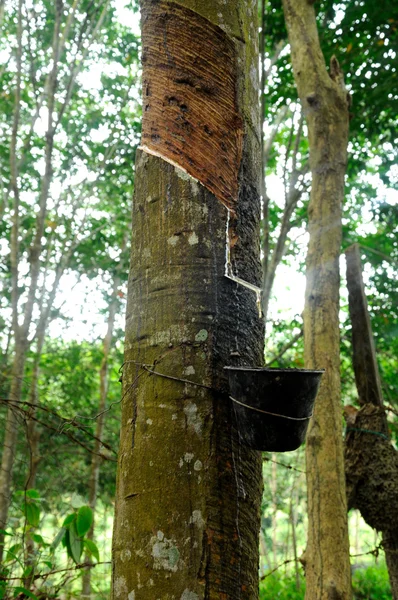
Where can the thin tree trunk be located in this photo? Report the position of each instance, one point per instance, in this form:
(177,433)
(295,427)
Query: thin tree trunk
(325,105)
(293,521)
(294,543)
(96,459)
(293,193)
(188,493)
(10,441)
(10,437)
(274,486)
(33,434)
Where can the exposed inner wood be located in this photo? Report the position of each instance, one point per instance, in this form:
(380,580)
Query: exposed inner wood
(190,113)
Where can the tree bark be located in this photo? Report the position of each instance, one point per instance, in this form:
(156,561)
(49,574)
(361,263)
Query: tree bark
(324,102)
(188,493)
(371,462)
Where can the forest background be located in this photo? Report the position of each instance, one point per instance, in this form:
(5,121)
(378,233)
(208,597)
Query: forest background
(70,124)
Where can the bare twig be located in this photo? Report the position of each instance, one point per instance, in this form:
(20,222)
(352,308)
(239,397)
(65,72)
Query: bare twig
(375,552)
(14,256)
(48,573)
(290,467)
(285,562)
(17,405)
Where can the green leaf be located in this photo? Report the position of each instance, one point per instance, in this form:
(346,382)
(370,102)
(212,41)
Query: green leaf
(27,571)
(74,543)
(12,552)
(92,549)
(58,538)
(4,532)
(32,513)
(84,520)
(32,494)
(21,590)
(38,539)
(69,519)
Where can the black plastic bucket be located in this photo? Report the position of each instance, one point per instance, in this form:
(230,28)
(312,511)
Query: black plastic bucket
(288,394)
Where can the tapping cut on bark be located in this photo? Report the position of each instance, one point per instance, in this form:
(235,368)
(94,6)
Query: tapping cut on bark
(190,114)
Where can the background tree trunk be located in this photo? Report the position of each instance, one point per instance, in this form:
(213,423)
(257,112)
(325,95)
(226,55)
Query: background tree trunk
(10,440)
(96,458)
(371,462)
(188,493)
(325,106)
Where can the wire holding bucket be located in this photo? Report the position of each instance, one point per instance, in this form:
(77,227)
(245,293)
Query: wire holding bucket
(147,368)
(266,412)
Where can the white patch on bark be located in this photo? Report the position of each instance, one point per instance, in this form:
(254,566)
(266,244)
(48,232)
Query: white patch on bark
(221,22)
(125,555)
(202,335)
(131,595)
(197,519)
(143,157)
(193,420)
(173,240)
(149,421)
(166,337)
(188,595)
(165,553)
(174,417)
(185,176)
(190,370)
(120,587)
(198,465)
(188,456)
(193,239)
(253,76)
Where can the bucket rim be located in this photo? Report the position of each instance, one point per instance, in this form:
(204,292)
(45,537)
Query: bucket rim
(275,370)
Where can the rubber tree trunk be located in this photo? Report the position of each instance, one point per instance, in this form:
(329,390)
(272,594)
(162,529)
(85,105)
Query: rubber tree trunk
(188,493)
(325,105)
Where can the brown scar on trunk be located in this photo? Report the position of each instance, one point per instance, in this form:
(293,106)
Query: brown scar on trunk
(190,113)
